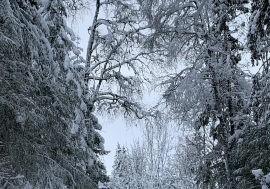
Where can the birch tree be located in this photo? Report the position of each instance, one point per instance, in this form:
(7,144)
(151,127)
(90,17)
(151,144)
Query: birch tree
(210,93)
(116,66)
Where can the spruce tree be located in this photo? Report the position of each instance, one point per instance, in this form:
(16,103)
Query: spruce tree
(254,151)
(49,136)
(121,175)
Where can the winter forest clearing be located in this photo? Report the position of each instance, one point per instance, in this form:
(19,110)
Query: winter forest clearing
(205,60)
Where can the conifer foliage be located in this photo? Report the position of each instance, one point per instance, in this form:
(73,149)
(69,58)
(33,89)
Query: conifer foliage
(121,169)
(255,148)
(49,136)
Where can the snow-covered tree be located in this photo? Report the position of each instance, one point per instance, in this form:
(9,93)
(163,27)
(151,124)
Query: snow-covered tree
(258,33)
(121,174)
(253,153)
(210,94)
(49,135)
(116,65)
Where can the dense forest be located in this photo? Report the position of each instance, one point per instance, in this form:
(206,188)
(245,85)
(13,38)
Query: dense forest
(210,129)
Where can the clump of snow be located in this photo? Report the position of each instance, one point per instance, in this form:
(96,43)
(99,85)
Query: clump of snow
(78,114)
(101,146)
(74,128)
(60,40)
(75,50)
(82,165)
(98,126)
(28,186)
(71,33)
(83,143)
(265,179)
(257,173)
(63,34)
(83,106)
(90,162)
(69,76)
(20,119)
(66,62)
(240,140)
(79,90)
(19,176)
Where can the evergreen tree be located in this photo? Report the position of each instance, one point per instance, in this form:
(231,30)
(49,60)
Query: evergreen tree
(254,150)
(258,33)
(121,174)
(49,136)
